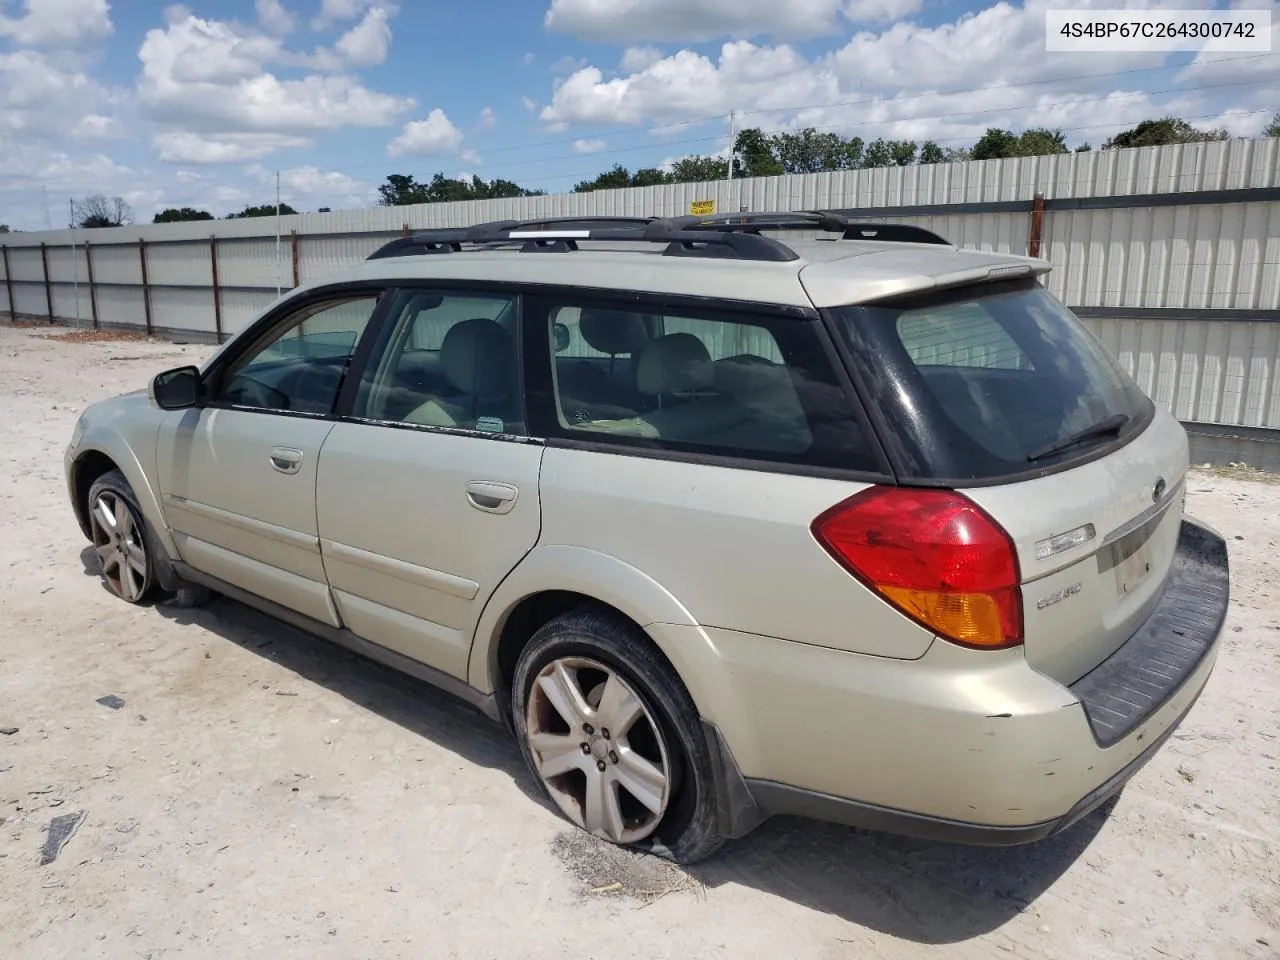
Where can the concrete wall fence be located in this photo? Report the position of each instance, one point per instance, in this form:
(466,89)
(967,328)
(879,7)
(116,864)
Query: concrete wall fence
(1171,255)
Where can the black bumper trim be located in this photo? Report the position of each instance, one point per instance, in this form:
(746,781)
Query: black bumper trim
(1124,690)
(778,799)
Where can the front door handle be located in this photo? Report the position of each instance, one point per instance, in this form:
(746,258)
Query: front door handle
(285,459)
(492,497)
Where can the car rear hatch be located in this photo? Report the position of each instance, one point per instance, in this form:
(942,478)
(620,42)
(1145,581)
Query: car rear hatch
(996,390)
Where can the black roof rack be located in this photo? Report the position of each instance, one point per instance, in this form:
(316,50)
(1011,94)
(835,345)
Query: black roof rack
(735,236)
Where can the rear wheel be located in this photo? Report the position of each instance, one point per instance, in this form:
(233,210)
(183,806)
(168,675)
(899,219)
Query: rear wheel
(119,537)
(613,737)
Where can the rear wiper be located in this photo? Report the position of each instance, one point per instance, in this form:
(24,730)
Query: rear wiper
(1107,425)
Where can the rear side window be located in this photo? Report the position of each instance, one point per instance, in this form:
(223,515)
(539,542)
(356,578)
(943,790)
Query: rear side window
(989,382)
(715,382)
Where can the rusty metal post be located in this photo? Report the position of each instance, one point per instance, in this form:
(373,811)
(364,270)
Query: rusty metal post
(93,291)
(217,296)
(8,282)
(406,229)
(146,286)
(1035,241)
(293,243)
(48,287)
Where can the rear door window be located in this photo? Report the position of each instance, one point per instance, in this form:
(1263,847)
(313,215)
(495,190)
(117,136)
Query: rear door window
(729,382)
(989,382)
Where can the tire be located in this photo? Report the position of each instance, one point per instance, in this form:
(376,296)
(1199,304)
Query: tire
(603,781)
(120,538)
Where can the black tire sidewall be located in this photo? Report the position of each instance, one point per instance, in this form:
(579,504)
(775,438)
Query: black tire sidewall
(689,830)
(114,482)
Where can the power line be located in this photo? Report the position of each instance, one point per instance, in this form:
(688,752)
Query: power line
(502,165)
(1098,126)
(658,128)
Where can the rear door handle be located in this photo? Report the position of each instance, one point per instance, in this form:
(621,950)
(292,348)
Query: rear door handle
(492,497)
(285,459)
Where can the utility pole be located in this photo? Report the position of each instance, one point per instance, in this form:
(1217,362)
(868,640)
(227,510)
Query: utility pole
(732,118)
(75,264)
(278,281)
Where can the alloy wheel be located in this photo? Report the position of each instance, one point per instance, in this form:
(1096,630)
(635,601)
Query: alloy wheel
(117,537)
(598,749)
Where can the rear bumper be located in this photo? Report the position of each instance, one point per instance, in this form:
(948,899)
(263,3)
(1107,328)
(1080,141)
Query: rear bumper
(775,799)
(1124,690)
(964,746)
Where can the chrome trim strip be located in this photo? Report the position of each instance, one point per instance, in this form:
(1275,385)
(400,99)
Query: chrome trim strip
(1145,516)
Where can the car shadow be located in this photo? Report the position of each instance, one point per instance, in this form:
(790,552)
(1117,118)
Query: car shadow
(917,890)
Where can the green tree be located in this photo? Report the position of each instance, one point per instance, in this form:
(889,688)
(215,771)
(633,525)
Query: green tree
(401,190)
(262,210)
(1273,128)
(1084,148)
(1040,142)
(813,151)
(613,178)
(994,145)
(649,177)
(100,211)
(699,169)
(930,152)
(889,153)
(179,214)
(755,154)
(4,228)
(1158,133)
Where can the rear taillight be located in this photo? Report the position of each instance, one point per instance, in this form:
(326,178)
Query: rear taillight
(933,554)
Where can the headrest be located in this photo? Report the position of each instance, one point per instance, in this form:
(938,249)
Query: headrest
(478,357)
(613,332)
(675,363)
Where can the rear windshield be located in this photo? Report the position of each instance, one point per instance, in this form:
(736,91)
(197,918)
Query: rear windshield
(989,382)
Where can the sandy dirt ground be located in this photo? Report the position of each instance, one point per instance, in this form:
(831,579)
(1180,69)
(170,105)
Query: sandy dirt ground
(262,794)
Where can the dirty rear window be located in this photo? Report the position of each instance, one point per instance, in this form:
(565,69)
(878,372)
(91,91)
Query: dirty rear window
(988,382)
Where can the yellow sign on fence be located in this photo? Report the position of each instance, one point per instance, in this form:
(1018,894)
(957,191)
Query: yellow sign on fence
(702,208)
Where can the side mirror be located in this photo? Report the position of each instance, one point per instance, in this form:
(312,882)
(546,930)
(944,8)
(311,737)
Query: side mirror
(561,334)
(176,389)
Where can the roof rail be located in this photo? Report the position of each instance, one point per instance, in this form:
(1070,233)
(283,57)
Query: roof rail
(536,236)
(824,220)
(728,236)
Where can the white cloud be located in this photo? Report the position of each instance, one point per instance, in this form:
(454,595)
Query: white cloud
(635,59)
(880,11)
(947,82)
(366,44)
(38,99)
(183,147)
(336,11)
(58,23)
(688,84)
(528,58)
(528,104)
(436,134)
(470,157)
(625,21)
(209,77)
(589,146)
(487,119)
(274,17)
(567,64)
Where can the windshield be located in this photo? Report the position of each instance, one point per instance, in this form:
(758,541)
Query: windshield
(989,382)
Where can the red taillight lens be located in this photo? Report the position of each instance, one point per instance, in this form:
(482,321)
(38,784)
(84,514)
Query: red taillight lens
(933,554)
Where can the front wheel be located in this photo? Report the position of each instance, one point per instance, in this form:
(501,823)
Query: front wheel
(119,537)
(613,738)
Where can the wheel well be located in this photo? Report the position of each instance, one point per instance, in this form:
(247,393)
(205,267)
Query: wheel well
(88,468)
(528,616)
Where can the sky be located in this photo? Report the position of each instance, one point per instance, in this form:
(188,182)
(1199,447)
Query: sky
(201,104)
